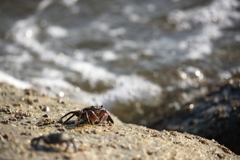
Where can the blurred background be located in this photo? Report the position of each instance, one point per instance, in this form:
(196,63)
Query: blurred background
(142,59)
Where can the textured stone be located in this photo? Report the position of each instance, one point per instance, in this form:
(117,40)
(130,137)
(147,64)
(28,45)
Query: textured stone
(119,141)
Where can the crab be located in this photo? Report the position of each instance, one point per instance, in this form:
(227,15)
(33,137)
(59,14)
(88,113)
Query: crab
(54,138)
(90,115)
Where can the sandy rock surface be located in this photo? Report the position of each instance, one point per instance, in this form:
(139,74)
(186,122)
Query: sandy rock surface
(26,114)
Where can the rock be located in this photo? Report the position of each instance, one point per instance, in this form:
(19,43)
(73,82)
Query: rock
(119,141)
(215,117)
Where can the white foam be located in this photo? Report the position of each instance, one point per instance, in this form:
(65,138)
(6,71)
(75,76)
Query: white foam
(202,25)
(109,56)
(91,73)
(54,83)
(44,4)
(13,81)
(125,88)
(134,88)
(56,31)
(52,73)
(128,89)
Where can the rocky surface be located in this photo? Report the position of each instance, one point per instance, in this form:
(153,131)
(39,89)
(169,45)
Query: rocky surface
(26,114)
(216,116)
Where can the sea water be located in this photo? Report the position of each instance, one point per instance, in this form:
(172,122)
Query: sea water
(123,53)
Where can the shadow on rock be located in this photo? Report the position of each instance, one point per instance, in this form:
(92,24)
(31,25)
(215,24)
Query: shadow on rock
(45,148)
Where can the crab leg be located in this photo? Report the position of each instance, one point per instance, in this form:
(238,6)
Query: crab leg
(92,116)
(86,116)
(74,145)
(73,112)
(35,141)
(69,118)
(67,146)
(110,119)
(80,116)
(104,115)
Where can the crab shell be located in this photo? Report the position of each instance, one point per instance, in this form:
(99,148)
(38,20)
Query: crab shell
(95,115)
